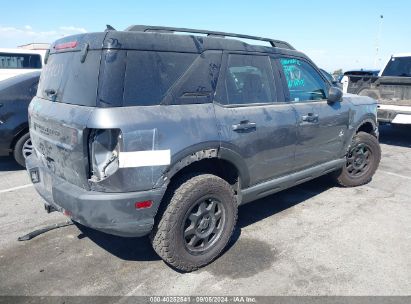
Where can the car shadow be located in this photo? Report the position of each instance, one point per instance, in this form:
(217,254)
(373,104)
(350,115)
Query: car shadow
(125,248)
(258,210)
(395,135)
(140,249)
(7,163)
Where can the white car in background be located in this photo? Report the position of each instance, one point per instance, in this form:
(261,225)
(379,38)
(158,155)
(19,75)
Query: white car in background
(18,61)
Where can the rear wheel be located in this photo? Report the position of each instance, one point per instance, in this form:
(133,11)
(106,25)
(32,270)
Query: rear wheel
(197,223)
(362,161)
(23,149)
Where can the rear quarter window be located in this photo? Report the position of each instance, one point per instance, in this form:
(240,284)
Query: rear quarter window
(149,75)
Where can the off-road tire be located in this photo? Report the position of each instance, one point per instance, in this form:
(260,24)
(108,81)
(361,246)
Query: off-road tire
(18,150)
(344,178)
(168,237)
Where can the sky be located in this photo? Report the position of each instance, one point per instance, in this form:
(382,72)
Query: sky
(334,34)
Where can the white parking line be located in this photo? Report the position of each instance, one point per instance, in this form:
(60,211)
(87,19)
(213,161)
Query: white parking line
(395,174)
(16,188)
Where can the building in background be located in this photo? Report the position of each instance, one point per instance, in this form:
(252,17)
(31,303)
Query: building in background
(35,46)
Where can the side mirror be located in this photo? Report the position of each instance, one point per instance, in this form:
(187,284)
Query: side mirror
(334,95)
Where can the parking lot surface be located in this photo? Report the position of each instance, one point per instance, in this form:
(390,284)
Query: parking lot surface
(314,239)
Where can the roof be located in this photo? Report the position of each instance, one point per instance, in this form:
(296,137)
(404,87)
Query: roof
(22,51)
(18,79)
(161,41)
(35,46)
(402,55)
(362,72)
(137,38)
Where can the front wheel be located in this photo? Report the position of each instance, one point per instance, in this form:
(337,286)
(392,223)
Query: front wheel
(363,159)
(197,223)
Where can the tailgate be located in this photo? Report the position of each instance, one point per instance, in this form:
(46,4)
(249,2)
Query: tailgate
(60,138)
(395,91)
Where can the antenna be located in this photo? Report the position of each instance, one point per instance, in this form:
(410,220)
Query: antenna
(377,43)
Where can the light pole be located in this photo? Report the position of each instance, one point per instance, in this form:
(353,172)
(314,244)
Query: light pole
(377,44)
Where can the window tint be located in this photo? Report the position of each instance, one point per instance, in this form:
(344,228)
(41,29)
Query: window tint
(149,75)
(400,66)
(304,82)
(248,79)
(20,61)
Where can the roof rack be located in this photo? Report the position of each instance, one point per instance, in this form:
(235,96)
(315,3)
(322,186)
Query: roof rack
(164,29)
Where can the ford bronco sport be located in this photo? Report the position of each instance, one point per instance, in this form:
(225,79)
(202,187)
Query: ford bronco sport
(150,130)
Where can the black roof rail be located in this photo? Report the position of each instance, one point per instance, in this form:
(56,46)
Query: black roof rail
(165,29)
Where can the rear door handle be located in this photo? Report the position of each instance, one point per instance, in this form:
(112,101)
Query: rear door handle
(244,126)
(310,117)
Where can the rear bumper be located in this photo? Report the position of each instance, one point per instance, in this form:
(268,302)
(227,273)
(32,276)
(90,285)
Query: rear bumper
(112,213)
(394,114)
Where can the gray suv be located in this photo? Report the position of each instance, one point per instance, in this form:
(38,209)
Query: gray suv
(155,131)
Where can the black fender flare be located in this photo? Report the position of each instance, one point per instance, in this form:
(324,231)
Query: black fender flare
(366,119)
(369,118)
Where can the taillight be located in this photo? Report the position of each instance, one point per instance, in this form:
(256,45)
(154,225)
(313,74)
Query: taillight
(104,148)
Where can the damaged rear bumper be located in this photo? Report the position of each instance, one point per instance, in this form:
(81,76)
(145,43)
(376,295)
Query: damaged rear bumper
(112,213)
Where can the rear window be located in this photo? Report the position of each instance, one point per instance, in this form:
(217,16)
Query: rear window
(66,79)
(20,61)
(149,75)
(398,66)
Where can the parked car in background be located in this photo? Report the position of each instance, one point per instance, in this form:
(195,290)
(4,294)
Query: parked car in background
(15,96)
(150,131)
(392,89)
(330,78)
(356,74)
(19,61)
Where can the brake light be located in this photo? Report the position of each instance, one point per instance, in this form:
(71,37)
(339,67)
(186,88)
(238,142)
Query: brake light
(66,45)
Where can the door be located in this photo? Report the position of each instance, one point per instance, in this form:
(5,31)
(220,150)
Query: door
(252,123)
(321,125)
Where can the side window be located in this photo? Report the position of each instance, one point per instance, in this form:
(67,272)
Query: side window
(304,82)
(248,79)
(149,75)
(398,66)
(20,61)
